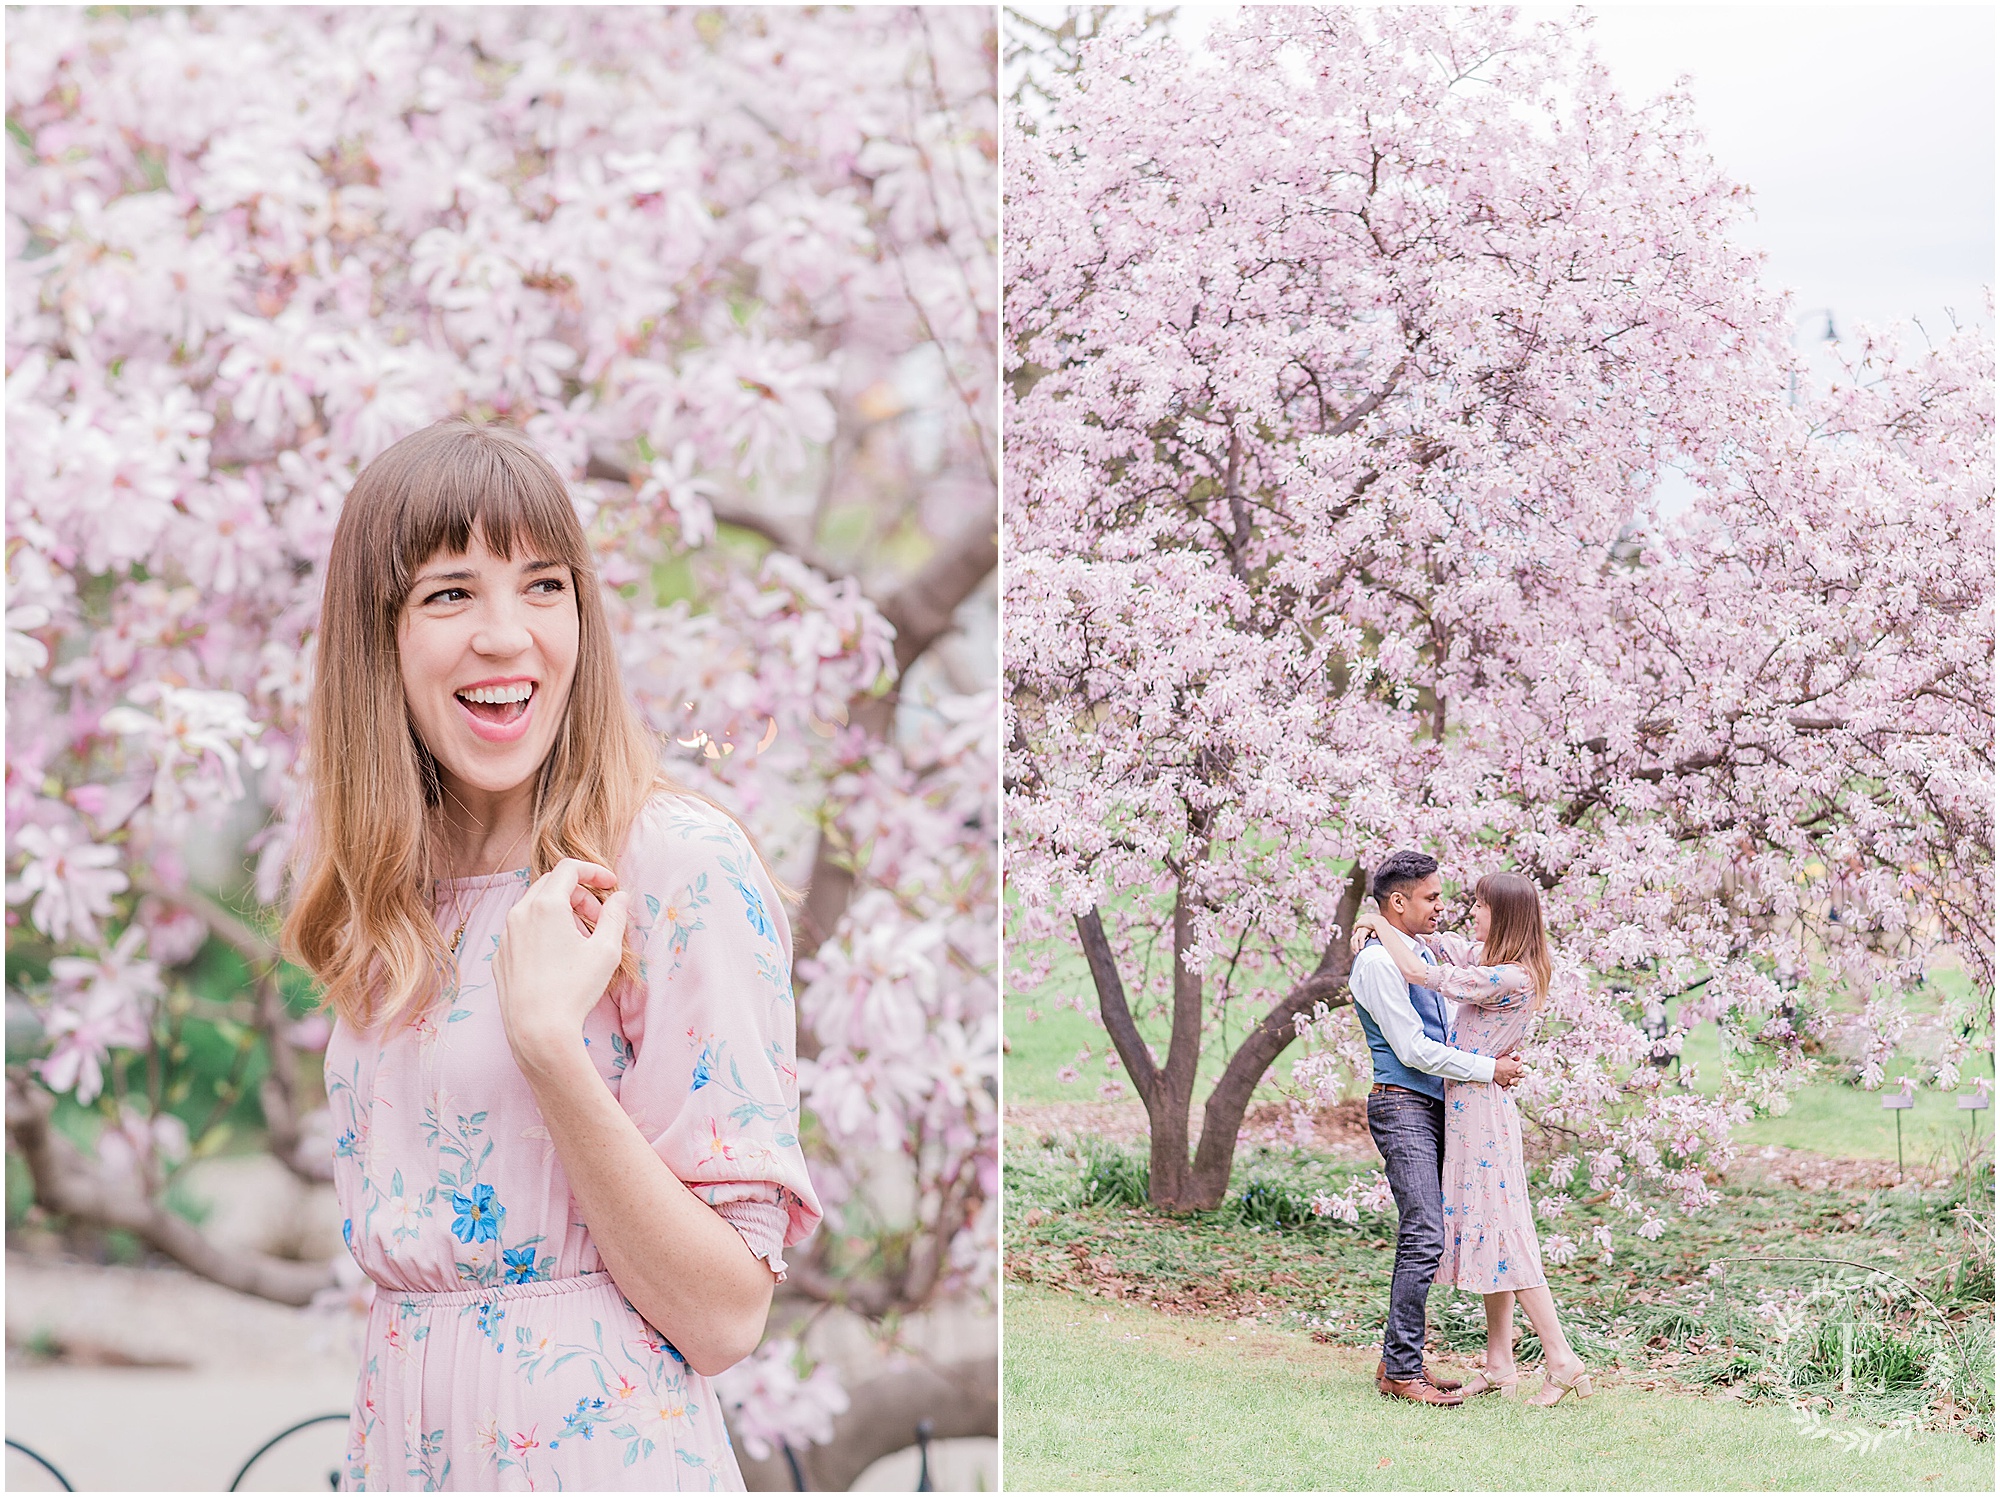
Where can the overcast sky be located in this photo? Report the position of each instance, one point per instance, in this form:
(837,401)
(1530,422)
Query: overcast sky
(1864,131)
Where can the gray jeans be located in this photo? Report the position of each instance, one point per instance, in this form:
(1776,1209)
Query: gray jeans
(1408,1129)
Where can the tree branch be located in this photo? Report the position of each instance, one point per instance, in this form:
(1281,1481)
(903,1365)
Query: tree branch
(70,1185)
(923,606)
(287,1142)
(921,609)
(1111,1003)
(957,1399)
(1222,1116)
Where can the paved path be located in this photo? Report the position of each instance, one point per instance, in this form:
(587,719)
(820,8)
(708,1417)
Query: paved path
(147,1429)
(229,1372)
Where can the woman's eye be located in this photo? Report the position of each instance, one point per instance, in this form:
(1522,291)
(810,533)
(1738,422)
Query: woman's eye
(448,595)
(548,587)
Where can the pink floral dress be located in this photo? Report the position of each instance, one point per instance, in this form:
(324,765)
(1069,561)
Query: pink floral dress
(500,1355)
(1489,1230)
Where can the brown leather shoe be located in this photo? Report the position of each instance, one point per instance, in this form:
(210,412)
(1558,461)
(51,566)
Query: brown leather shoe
(1442,1384)
(1418,1391)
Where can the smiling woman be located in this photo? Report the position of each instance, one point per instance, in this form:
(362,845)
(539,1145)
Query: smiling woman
(565,1087)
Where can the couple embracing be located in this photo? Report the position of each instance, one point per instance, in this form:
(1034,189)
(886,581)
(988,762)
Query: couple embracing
(1442,1016)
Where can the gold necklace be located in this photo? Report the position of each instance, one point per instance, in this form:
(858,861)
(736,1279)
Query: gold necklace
(465,916)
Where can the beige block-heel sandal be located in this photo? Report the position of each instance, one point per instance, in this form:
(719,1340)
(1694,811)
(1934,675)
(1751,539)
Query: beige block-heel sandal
(1579,1385)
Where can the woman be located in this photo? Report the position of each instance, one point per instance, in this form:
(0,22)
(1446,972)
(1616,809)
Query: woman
(1500,981)
(565,1096)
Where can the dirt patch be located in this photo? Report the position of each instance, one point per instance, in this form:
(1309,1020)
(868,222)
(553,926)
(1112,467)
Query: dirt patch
(1115,1122)
(1773,1164)
(1340,1130)
(1092,1275)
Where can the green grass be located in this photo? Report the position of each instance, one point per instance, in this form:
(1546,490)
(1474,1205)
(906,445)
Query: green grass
(1075,1223)
(1834,1117)
(1109,1396)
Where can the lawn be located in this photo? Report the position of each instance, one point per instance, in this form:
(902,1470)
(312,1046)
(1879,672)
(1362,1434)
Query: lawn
(1885,1262)
(1109,1396)
(1834,1117)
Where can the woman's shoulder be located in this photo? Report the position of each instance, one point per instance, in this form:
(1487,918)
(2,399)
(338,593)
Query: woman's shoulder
(1453,948)
(674,828)
(684,854)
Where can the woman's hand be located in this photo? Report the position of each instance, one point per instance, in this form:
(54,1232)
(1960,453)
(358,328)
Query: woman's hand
(552,966)
(1401,948)
(1364,928)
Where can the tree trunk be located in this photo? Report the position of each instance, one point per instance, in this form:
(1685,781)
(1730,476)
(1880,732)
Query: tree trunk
(1222,1118)
(1170,1114)
(1176,1184)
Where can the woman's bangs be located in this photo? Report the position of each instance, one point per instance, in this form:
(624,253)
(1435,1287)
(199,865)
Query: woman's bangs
(510,499)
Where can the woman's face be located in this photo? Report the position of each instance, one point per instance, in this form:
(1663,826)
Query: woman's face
(488,652)
(1482,919)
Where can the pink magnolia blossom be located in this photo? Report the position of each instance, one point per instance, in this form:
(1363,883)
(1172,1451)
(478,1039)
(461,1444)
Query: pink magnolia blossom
(687,252)
(772,1405)
(139,1144)
(71,882)
(99,1005)
(1340,402)
(209,733)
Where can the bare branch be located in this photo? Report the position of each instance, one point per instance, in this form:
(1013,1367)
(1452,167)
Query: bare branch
(957,1399)
(1111,1003)
(70,1185)
(923,606)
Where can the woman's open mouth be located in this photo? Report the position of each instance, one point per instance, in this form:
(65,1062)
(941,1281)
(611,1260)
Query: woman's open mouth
(497,712)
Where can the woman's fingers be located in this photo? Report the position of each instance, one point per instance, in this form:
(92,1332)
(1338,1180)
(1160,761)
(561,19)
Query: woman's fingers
(570,872)
(609,936)
(596,875)
(587,907)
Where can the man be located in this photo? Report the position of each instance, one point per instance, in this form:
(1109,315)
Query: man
(1406,1028)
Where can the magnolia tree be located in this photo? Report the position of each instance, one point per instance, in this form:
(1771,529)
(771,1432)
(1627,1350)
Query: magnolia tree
(733,272)
(1348,358)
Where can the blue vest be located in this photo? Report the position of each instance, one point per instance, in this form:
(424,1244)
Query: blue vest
(1391,1071)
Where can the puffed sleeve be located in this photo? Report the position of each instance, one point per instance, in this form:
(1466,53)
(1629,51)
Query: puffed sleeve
(710,1072)
(1461,978)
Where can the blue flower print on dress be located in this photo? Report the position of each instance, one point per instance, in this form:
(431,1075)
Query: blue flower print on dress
(754,909)
(753,902)
(490,1316)
(479,1215)
(520,1263)
(583,1419)
(704,1068)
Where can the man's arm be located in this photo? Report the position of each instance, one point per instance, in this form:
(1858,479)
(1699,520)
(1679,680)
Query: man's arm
(1378,987)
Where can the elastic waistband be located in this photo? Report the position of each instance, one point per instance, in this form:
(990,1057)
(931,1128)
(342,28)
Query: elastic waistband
(445,1299)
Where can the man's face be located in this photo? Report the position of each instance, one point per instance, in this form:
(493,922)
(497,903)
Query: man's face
(1414,907)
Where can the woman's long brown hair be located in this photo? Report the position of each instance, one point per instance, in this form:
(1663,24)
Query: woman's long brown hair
(1514,930)
(362,918)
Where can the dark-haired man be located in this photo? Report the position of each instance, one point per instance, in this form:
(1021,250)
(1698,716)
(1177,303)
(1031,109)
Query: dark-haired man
(1407,1027)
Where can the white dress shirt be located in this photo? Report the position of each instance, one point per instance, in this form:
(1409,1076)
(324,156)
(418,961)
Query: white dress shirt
(1378,986)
